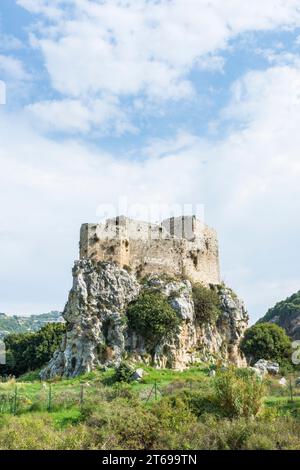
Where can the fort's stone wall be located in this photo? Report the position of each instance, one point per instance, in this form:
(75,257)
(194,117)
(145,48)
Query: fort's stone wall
(181,246)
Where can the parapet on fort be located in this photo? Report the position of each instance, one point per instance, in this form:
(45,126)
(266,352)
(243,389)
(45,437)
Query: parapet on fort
(179,246)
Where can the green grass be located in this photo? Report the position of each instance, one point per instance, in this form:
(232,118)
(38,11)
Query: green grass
(66,393)
(284,406)
(125,416)
(34,394)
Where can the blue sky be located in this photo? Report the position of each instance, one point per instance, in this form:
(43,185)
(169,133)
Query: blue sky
(162,103)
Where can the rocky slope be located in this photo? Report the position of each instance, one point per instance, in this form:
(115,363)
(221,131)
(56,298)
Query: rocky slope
(287,315)
(98,333)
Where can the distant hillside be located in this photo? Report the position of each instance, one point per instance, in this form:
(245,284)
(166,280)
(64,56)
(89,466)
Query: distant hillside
(287,315)
(20,324)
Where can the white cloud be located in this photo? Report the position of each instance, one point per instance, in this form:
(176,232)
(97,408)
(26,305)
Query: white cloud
(8,42)
(47,190)
(49,8)
(129,47)
(249,183)
(12,68)
(212,63)
(70,115)
(101,52)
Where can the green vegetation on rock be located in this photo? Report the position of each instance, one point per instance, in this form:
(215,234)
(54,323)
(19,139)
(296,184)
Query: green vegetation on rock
(151,316)
(207,304)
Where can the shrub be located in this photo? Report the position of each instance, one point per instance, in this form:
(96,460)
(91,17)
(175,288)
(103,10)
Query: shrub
(151,316)
(239,393)
(123,425)
(38,432)
(177,425)
(123,372)
(30,351)
(202,404)
(207,304)
(266,341)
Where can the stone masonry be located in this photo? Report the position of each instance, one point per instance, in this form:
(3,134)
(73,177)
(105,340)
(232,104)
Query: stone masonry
(182,246)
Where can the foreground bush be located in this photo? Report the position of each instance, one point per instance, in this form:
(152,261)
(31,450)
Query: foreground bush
(125,427)
(30,432)
(218,413)
(242,434)
(123,372)
(239,393)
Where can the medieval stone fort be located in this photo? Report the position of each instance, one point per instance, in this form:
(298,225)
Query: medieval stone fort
(179,246)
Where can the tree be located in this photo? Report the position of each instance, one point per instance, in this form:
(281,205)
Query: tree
(30,351)
(151,316)
(266,341)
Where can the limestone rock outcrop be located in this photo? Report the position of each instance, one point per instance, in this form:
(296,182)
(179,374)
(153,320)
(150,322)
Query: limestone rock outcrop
(98,333)
(267,367)
(94,316)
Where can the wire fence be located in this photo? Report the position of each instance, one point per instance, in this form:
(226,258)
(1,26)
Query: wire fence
(49,397)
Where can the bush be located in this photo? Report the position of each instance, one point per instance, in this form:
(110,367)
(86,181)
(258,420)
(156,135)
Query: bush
(39,433)
(123,372)
(151,316)
(31,351)
(123,425)
(266,341)
(239,393)
(207,304)
(202,404)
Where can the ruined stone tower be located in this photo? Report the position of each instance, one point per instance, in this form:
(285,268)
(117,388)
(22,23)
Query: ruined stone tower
(181,246)
(98,331)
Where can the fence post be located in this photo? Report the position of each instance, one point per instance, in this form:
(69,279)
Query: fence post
(151,391)
(15,400)
(81,396)
(291,391)
(50,398)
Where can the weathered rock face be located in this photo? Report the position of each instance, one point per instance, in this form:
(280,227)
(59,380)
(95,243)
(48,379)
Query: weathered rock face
(94,316)
(97,333)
